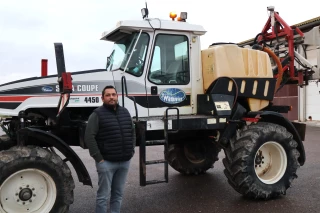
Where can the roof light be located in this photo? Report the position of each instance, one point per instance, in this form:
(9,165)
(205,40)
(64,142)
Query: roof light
(173,15)
(183,15)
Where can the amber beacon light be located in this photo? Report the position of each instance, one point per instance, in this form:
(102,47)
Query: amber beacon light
(182,17)
(173,15)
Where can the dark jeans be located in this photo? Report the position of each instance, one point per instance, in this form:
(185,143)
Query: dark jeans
(112,178)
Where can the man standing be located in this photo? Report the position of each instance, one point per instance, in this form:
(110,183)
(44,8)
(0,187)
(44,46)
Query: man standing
(110,138)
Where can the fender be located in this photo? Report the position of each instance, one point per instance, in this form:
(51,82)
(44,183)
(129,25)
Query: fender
(296,129)
(26,135)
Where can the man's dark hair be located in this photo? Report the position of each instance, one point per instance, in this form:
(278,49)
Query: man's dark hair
(108,87)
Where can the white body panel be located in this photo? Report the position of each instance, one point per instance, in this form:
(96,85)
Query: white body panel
(94,81)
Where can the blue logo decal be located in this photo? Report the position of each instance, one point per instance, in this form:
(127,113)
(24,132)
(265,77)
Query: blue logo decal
(47,89)
(172,96)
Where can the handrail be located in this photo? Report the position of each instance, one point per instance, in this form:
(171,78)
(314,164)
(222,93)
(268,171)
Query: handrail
(124,89)
(178,122)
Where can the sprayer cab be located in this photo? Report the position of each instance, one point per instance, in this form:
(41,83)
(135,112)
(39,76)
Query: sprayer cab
(168,52)
(161,52)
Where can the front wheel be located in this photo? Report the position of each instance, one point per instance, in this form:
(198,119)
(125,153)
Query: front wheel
(34,180)
(261,161)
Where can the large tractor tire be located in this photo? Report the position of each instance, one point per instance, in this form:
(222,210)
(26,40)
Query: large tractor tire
(193,158)
(34,180)
(261,161)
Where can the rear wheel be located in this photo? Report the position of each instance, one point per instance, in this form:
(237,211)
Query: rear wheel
(34,180)
(261,161)
(193,158)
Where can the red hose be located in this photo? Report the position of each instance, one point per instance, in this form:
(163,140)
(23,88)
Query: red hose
(280,70)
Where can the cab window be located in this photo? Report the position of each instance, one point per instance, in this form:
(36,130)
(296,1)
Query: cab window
(122,50)
(170,60)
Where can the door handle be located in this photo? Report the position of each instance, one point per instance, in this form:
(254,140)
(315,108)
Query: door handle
(154,90)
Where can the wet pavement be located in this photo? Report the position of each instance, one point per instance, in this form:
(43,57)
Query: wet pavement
(204,193)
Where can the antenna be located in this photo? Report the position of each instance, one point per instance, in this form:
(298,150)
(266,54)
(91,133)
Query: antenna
(147,9)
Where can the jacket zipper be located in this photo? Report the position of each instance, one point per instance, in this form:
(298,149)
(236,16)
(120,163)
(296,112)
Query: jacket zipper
(121,132)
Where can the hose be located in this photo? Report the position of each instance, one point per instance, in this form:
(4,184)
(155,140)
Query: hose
(256,38)
(276,59)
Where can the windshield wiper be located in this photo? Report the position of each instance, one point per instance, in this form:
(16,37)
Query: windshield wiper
(123,69)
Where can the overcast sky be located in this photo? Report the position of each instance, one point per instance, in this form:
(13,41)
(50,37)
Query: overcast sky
(28,28)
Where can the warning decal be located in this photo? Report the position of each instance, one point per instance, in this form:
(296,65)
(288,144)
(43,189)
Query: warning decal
(222,105)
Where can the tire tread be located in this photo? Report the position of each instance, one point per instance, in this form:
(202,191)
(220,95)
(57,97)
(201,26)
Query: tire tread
(17,155)
(238,156)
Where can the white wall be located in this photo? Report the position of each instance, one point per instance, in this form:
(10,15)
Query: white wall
(313,89)
(313,100)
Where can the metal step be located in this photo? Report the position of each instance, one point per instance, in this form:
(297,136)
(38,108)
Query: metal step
(155,142)
(155,162)
(142,126)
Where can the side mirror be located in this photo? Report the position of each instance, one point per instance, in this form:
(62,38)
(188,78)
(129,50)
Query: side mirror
(108,62)
(109,58)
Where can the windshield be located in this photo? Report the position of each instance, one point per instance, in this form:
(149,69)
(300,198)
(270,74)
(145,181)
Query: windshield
(122,50)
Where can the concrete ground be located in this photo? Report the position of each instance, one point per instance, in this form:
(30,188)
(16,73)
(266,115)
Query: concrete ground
(205,193)
(312,123)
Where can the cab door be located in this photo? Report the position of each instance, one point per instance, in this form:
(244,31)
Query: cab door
(168,78)
(134,72)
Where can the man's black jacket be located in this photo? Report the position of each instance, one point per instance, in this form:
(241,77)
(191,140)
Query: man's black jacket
(110,134)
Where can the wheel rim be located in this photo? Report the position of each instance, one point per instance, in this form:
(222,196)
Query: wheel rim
(196,156)
(28,190)
(270,162)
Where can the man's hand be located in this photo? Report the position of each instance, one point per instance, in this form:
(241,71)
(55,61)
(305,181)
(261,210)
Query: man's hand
(101,161)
